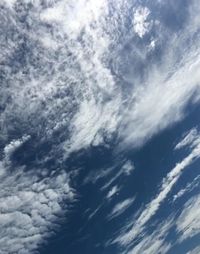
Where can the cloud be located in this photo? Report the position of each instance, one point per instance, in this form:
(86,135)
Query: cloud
(91,215)
(175,81)
(140,24)
(63,74)
(121,207)
(9,3)
(31,207)
(115,189)
(188,223)
(146,118)
(167,184)
(190,139)
(73,16)
(154,242)
(95,176)
(189,187)
(85,95)
(88,123)
(109,175)
(194,251)
(13,146)
(128,168)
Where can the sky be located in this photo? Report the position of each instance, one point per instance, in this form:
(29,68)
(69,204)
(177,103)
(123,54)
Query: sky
(99,126)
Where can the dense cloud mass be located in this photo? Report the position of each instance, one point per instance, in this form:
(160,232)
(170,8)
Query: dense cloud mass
(79,75)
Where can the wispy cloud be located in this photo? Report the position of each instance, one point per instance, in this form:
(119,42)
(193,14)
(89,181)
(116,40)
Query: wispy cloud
(188,223)
(190,139)
(121,207)
(167,184)
(113,191)
(194,251)
(189,187)
(126,169)
(154,242)
(83,93)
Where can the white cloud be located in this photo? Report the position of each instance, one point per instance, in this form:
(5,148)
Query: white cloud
(94,176)
(94,212)
(189,187)
(140,23)
(194,251)
(13,146)
(73,16)
(89,121)
(145,118)
(154,242)
(188,223)
(66,85)
(152,45)
(81,93)
(120,208)
(115,189)
(128,168)
(9,3)
(168,182)
(30,208)
(110,175)
(190,139)
(172,83)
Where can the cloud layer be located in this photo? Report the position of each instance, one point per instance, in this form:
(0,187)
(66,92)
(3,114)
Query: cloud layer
(80,74)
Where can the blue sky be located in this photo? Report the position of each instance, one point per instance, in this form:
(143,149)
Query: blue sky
(99,120)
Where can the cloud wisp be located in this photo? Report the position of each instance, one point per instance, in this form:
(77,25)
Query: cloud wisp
(188,223)
(167,184)
(120,208)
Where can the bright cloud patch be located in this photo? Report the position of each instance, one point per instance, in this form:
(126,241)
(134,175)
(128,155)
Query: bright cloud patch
(31,206)
(140,23)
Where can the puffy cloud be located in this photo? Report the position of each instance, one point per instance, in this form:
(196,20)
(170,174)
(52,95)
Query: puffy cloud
(31,207)
(140,23)
(13,146)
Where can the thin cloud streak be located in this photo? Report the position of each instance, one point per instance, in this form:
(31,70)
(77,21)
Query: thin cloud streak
(168,182)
